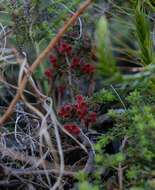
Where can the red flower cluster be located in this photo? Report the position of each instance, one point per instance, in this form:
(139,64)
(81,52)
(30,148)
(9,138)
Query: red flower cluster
(53,60)
(83,112)
(48,73)
(88,69)
(81,106)
(65,48)
(65,111)
(85,69)
(80,109)
(72,129)
(75,63)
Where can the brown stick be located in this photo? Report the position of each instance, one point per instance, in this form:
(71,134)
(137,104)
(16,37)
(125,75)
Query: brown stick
(22,157)
(31,160)
(42,57)
(31,171)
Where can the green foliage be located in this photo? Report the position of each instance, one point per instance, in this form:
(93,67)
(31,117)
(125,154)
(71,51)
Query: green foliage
(144,36)
(86,186)
(137,125)
(134,128)
(107,62)
(109,160)
(103,96)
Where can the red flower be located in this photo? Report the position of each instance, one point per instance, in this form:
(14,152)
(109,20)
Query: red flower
(79,98)
(75,63)
(82,111)
(72,129)
(65,111)
(65,48)
(53,60)
(81,106)
(62,48)
(48,73)
(88,69)
(69,49)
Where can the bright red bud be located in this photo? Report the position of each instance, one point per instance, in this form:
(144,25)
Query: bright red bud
(75,63)
(65,111)
(88,69)
(53,60)
(48,73)
(79,98)
(65,48)
(72,129)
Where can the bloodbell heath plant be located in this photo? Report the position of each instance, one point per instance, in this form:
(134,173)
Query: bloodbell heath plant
(73,129)
(66,111)
(48,73)
(88,69)
(75,63)
(65,48)
(53,61)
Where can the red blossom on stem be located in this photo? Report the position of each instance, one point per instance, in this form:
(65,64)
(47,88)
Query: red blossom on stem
(81,106)
(65,48)
(72,129)
(88,69)
(75,63)
(65,111)
(69,50)
(80,109)
(48,73)
(53,60)
(79,98)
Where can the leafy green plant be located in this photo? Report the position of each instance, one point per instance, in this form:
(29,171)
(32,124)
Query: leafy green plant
(107,63)
(143,31)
